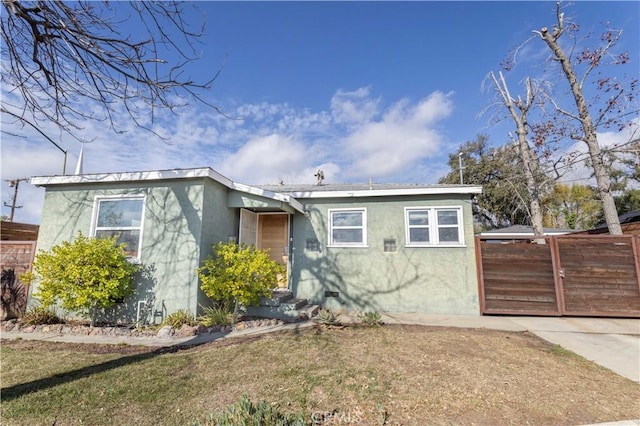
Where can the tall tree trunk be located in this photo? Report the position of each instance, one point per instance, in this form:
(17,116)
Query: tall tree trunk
(518,111)
(590,137)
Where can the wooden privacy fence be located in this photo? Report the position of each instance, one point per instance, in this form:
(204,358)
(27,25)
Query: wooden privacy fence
(575,275)
(16,258)
(14,231)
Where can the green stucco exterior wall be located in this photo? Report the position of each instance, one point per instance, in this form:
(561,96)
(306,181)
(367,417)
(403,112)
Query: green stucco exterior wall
(438,280)
(184,218)
(177,235)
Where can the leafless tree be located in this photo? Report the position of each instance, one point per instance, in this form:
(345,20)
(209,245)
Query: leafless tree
(609,113)
(58,57)
(518,110)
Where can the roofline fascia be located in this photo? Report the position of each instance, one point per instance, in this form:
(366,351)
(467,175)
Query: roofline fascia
(285,198)
(386,192)
(205,172)
(132,177)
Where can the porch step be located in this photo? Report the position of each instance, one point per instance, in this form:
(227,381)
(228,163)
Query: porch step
(285,308)
(295,303)
(277,298)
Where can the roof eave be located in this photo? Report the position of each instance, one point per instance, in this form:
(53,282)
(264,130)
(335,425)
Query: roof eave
(285,198)
(132,177)
(470,190)
(205,172)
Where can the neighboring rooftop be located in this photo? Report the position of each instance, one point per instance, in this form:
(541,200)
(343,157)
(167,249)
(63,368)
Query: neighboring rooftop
(525,230)
(628,217)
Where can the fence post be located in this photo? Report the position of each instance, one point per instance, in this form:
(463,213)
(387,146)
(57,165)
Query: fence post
(636,257)
(557,276)
(480,274)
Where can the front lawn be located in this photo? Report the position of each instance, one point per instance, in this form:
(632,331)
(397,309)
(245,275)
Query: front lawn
(408,375)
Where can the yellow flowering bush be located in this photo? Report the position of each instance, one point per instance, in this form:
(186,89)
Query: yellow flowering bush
(84,275)
(239,274)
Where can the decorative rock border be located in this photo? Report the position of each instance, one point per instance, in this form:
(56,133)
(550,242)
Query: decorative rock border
(15,326)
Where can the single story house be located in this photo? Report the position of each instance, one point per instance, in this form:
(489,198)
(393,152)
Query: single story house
(389,248)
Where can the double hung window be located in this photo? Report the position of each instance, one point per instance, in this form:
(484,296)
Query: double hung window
(122,218)
(348,228)
(428,226)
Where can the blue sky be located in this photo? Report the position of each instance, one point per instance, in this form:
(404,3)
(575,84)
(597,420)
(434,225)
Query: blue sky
(381,90)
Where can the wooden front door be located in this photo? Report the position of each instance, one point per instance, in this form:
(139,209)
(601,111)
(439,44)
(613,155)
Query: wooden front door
(273,235)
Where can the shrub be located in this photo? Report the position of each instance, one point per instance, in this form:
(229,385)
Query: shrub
(215,315)
(37,315)
(84,275)
(238,274)
(245,412)
(370,319)
(178,318)
(327,317)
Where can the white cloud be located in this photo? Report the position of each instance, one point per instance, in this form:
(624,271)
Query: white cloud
(405,136)
(270,159)
(354,139)
(354,107)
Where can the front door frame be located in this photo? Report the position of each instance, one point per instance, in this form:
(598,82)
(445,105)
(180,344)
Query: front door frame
(286,241)
(255,217)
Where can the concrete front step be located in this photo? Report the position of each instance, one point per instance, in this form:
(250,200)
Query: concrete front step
(277,298)
(281,305)
(295,310)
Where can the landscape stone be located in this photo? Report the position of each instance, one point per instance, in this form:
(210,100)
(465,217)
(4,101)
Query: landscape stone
(187,331)
(166,332)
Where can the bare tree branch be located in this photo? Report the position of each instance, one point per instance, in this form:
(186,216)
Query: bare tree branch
(518,110)
(61,56)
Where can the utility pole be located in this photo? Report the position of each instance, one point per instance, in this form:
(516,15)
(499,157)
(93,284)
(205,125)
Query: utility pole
(14,183)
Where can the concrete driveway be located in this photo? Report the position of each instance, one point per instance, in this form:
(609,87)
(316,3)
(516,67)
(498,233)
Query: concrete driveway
(613,343)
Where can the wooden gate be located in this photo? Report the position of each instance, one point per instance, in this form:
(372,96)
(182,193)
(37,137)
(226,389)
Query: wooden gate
(581,275)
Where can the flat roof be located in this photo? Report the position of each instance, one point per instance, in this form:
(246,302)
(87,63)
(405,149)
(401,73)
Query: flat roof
(155,175)
(285,193)
(347,190)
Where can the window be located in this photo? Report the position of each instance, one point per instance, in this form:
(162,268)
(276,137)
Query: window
(122,218)
(348,228)
(434,226)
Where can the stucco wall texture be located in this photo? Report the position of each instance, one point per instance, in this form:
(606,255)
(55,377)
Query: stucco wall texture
(411,279)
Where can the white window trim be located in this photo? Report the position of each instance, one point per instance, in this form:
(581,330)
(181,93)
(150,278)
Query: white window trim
(363,244)
(94,218)
(433,226)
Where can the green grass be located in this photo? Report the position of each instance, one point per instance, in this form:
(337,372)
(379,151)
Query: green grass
(398,375)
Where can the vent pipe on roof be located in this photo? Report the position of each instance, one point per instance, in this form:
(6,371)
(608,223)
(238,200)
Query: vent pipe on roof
(79,164)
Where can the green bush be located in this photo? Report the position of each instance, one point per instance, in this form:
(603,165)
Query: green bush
(85,275)
(215,315)
(178,318)
(244,412)
(327,317)
(237,274)
(37,315)
(370,319)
